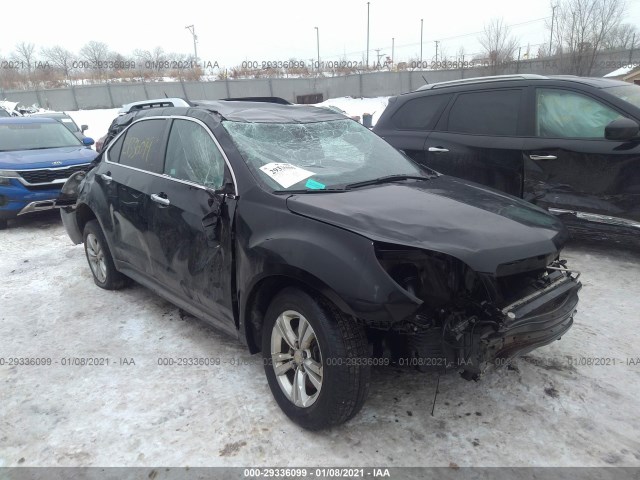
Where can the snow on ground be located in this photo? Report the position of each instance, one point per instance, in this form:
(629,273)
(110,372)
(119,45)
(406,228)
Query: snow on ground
(359,106)
(97,120)
(548,411)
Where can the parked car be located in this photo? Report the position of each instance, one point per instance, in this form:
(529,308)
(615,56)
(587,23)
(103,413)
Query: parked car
(568,144)
(67,121)
(37,155)
(312,240)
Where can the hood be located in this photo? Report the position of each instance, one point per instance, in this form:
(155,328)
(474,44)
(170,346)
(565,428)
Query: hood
(479,226)
(29,159)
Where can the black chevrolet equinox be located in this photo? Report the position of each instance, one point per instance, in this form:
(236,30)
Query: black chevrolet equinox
(568,144)
(316,243)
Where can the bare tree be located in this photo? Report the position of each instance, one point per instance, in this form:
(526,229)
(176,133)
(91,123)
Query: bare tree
(498,44)
(621,37)
(25,54)
(583,29)
(60,58)
(95,54)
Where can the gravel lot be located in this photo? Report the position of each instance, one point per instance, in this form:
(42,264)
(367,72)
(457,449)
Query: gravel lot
(546,411)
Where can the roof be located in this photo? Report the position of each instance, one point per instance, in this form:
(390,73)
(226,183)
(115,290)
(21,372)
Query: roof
(593,81)
(261,112)
(50,115)
(18,120)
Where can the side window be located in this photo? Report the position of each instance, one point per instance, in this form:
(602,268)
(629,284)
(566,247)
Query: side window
(192,155)
(565,114)
(420,113)
(142,146)
(490,112)
(114,150)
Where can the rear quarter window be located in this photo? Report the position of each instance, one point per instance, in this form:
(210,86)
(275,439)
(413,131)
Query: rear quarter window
(420,113)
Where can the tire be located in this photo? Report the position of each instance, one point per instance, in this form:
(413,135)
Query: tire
(336,344)
(100,260)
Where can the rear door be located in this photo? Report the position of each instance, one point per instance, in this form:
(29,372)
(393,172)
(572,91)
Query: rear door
(480,138)
(569,165)
(191,225)
(130,166)
(408,128)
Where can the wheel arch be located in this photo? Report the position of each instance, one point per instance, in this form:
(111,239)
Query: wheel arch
(263,291)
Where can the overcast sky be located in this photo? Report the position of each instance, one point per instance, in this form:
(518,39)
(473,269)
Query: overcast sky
(232,31)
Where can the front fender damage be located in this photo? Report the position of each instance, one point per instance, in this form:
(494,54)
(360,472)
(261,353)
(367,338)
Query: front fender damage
(470,320)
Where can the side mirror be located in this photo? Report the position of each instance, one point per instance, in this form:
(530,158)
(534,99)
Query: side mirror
(83,128)
(87,141)
(621,129)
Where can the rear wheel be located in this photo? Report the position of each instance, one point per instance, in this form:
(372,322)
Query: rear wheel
(100,260)
(315,360)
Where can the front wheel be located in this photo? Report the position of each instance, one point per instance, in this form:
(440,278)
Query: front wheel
(315,360)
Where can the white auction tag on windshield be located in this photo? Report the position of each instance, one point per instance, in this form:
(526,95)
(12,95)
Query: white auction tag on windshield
(285,173)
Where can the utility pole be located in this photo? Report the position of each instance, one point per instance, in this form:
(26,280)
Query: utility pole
(192,29)
(421,30)
(393,51)
(437,42)
(378,55)
(318,44)
(553,17)
(368,34)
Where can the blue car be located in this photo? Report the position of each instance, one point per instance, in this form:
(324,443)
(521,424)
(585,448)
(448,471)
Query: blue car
(37,155)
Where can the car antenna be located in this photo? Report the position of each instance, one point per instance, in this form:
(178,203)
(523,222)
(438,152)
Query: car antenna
(425,80)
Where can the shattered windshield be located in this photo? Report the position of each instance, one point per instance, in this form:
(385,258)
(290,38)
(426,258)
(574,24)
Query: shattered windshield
(316,156)
(628,93)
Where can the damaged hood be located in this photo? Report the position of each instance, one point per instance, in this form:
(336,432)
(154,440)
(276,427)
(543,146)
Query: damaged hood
(479,226)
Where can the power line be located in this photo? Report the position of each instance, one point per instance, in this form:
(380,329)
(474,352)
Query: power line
(463,35)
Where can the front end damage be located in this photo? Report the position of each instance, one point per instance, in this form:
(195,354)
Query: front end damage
(469,320)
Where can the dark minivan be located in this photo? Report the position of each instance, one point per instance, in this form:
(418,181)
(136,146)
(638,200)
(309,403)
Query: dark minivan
(568,144)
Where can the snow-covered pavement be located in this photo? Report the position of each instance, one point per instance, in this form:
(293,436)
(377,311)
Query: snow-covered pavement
(556,408)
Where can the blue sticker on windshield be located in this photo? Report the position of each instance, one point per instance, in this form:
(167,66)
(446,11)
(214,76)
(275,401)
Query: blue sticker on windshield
(313,185)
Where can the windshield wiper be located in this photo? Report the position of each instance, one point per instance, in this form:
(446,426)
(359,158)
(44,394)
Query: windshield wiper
(388,178)
(311,190)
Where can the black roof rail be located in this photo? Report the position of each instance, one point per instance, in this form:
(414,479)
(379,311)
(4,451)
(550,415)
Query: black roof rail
(279,100)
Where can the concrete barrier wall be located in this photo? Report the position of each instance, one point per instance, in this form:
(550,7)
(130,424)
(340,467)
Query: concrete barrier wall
(363,85)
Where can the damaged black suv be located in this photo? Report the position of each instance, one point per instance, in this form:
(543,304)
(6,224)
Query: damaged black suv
(315,242)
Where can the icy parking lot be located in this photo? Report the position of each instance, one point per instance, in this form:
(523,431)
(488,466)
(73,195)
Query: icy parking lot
(572,403)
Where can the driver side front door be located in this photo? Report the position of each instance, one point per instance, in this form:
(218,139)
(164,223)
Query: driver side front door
(192,223)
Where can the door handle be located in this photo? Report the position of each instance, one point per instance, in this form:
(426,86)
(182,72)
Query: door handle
(161,200)
(106,177)
(438,149)
(543,157)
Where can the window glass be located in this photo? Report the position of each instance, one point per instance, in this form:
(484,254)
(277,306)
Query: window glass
(491,112)
(28,135)
(564,114)
(114,150)
(142,147)
(628,93)
(317,155)
(420,113)
(193,155)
